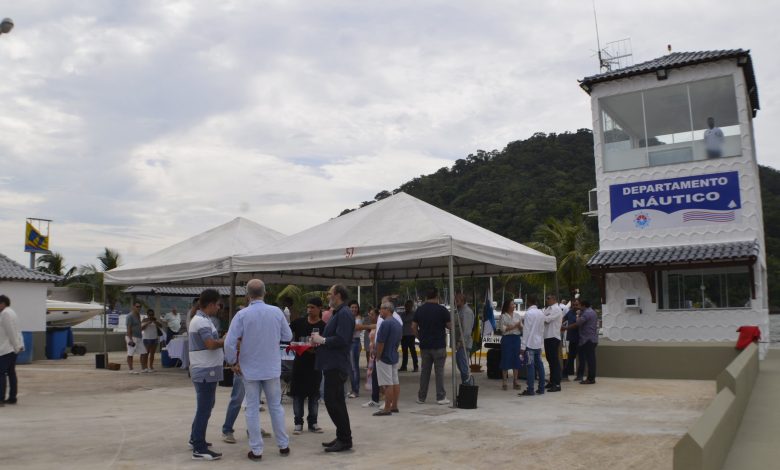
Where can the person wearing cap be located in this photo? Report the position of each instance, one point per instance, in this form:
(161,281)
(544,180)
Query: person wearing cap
(305,383)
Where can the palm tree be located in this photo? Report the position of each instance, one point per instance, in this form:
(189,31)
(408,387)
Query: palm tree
(91,277)
(572,244)
(54,263)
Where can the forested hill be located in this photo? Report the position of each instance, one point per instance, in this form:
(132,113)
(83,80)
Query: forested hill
(514,190)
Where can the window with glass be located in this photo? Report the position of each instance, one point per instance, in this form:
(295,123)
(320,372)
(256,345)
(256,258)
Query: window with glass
(672,124)
(704,289)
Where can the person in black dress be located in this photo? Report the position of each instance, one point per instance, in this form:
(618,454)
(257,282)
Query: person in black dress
(305,378)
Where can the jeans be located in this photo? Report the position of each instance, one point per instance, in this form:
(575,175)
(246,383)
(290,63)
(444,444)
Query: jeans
(234,406)
(435,358)
(205,394)
(587,353)
(408,346)
(535,366)
(8,366)
(568,368)
(273,400)
(463,365)
(314,408)
(551,346)
(336,404)
(355,362)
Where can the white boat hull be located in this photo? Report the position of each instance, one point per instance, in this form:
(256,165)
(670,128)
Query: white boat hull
(62,314)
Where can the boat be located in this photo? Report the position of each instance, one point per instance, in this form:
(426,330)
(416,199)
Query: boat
(60,313)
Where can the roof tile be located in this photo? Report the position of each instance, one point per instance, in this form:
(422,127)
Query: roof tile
(675,254)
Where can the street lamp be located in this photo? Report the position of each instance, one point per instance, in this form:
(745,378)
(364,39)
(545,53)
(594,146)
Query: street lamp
(6,25)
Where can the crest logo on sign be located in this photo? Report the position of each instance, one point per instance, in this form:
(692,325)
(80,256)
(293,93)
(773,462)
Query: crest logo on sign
(349,252)
(642,220)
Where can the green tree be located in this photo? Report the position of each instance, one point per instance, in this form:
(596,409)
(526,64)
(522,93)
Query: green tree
(91,277)
(572,244)
(54,263)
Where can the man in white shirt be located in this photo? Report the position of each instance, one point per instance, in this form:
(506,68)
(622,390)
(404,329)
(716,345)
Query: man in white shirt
(553,316)
(11,344)
(713,139)
(531,342)
(261,328)
(172,321)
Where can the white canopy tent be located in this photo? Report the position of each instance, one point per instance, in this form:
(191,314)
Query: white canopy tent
(208,255)
(397,238)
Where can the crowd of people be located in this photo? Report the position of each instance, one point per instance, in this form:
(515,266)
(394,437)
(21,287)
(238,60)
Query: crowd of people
(328,369)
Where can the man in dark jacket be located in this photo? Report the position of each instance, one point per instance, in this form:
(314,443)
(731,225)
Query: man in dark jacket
(333,360)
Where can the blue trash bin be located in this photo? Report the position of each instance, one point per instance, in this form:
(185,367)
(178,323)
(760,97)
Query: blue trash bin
(57,342)
(25,357)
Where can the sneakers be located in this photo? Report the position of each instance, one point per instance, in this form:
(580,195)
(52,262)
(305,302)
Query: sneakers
(420,402)
(208,454)
(352,395)
(254,457)
(298,429)
(443,401)
(132,371)
(284,452)
(315,429)
(229,438)
(370,404)
(145,371)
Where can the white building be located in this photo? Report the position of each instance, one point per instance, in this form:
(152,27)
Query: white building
(681,232)
(27,290)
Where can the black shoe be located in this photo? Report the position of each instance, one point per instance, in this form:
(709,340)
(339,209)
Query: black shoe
(208,454)
(285,452)
(565,379)
(526,393)
(251,455)
(578,379)
(416,369)
(339,447)
(330,444)
(403,369)
(11,401)
(556,388)
(587,382)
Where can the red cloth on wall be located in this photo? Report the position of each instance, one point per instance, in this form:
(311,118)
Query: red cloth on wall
(747,335)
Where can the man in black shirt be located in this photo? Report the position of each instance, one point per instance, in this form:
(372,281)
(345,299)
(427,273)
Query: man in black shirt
(429,325)
(333,360)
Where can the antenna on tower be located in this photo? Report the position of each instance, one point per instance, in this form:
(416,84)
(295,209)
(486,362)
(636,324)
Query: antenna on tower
(615,54)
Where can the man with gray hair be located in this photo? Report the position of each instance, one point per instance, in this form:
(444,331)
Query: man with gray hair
(261,328)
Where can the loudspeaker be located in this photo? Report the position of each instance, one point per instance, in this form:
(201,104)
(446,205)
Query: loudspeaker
(494,364)
(467,396)
(100,361)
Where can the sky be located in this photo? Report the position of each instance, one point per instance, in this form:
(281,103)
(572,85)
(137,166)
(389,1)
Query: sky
(137,124)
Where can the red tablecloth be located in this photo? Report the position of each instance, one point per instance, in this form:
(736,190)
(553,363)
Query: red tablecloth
(298,348)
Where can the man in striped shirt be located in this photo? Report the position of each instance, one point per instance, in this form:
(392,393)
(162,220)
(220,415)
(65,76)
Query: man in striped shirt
(206,358)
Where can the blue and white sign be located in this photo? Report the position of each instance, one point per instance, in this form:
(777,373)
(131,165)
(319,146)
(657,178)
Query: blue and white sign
(676,202)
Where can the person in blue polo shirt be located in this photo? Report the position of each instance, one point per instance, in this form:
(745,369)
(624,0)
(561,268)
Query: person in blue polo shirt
(388,338)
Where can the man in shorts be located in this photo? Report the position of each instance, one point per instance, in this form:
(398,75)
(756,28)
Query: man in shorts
(134,338)
(388,338)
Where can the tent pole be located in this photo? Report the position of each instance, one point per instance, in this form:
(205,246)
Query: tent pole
(105,328)
(452,330)
(358,287)
(232,307)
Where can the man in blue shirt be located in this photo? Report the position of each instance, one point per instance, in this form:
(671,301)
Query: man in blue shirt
(387,340)
(206,358)
(261,328)
(333,360)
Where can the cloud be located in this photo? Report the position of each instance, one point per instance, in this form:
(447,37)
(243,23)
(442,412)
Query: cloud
(136,124)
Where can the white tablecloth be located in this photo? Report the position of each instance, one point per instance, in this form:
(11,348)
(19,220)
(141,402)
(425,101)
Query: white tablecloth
(179,348)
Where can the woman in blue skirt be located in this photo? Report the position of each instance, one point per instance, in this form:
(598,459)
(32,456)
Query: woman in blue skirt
(511,328)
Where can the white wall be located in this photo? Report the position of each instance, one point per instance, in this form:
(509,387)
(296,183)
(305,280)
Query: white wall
(700,325)
(28,300)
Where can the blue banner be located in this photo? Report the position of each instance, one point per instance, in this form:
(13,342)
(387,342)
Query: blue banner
(712,192)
